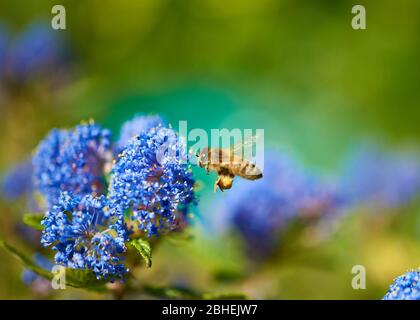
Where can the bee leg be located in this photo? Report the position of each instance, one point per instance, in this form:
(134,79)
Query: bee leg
(207,169)
(217,185)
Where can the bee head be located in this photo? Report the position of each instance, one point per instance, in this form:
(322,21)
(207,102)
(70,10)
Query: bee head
(202,157)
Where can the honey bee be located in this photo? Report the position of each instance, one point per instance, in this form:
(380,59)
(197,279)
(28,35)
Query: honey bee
(227,165)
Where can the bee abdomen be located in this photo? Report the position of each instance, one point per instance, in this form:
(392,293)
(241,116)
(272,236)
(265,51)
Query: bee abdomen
(250,171)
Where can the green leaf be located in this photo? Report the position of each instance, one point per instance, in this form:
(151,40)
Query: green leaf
(227,275)
(76,278)
(79,278)
(171,292)
(33,220)
(179,238)
(26,260)
(145,250)
(189,294)
(224,296)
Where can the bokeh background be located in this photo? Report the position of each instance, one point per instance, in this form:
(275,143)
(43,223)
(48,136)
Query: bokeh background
(296,69)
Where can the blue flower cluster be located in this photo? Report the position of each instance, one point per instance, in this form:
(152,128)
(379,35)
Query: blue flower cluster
(36,283)
(321,199)
(17,182)
(29,276)
(285,193)
(37,51)
(88,223)
(4,41)
(152,181)
(136,126)
(405,287)
(375,177)
(85,236)
(72,160)
(371,177)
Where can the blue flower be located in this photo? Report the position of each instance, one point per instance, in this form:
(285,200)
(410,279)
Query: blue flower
(405,287)
(37,51)
(85,236)
(152,182)
(18,181)
(72,161)
(28,276)
(4,44)
(136,126)
(321,198)
(373,176)
(37,284)
(261,210)
(18,185)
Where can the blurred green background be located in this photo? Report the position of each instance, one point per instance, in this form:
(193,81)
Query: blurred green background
(294,68)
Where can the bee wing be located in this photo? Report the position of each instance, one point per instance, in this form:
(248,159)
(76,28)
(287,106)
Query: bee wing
(248,143)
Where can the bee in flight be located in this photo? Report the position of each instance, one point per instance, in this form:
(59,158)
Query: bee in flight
(227,164)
